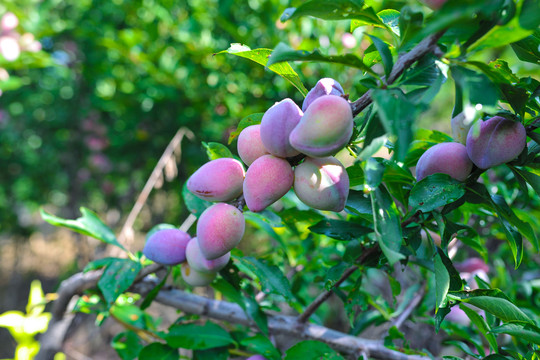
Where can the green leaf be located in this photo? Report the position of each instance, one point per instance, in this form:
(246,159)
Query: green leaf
(127,345)
(501,35)
(493,301)
(442,282)
(528,17)
(88,224)
(211,354)
(334,274)
(527,332)
(312,350)
(356,175)
(476,86)
(358,203)
(260,344)
(158,351)
(531,178)
(249,120)
(374,170)
(387,224)
(216,150)
(340,229)
(390,18)
(270,276)
(386,56)
(332,10)
(387,18)
(397,114)
(246,302)
(197,337)
(284,52)
(193,203)
(528,49)
(481,325)
(260,56)
(117,278)
(155,291)
(98,264)
(434,191)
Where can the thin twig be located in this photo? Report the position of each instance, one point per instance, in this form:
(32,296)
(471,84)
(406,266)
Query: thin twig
(125,237)
(428,45)
(398,322)
(325,295)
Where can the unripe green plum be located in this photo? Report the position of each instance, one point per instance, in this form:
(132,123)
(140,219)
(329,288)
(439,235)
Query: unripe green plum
(219,230)
(325,128)
(447,158)
(499,141)
(250,146)
(267,180)
(218,180)
(196,278)
(276,126)
(167,247)
(198,262)
(325,86)
(322,183)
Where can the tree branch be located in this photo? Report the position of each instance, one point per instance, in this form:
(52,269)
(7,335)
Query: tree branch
(288,325)
(429,44)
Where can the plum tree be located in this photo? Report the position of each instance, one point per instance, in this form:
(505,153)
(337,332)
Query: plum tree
(498,141)
(322,183)
(276,126)
(204,182)
(219,230)
(267,180)
(167,246)
(325,128)
(447,158)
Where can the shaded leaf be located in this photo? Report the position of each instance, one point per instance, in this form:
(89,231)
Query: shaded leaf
(117,278)
(384,50)
(158,351)
(526,332)
(197,337)
(270,276)
(312,350)
(340,229)
(249,120)
(434,191)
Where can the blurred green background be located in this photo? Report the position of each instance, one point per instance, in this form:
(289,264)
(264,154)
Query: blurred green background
(84,120)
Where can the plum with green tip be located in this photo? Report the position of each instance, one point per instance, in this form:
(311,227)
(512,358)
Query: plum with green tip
(325,128)
(461,125)
(199,263)
(267,180)
(447,158)
(196,278)
(219,229)
(322,183)
(498,141)
(277,124)
(167,247)
(325,86)
(250,146)
(218,180)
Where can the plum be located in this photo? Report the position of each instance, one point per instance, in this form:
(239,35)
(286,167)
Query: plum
(448,158)
(498,141)
(322,183)
(325,128)
(276,126)
(325,86)
(218,180)
(219,230)
(198,262)
(196,278)
(167,246)
(250,146)
(267,180)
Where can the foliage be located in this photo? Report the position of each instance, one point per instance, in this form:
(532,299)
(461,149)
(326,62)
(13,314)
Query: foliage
(400,241)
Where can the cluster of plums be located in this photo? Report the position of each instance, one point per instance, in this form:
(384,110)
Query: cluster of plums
(322,128)
(495,142)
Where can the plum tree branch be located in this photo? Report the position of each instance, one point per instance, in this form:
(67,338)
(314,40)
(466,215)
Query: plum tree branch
(277,323)
(427,45)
